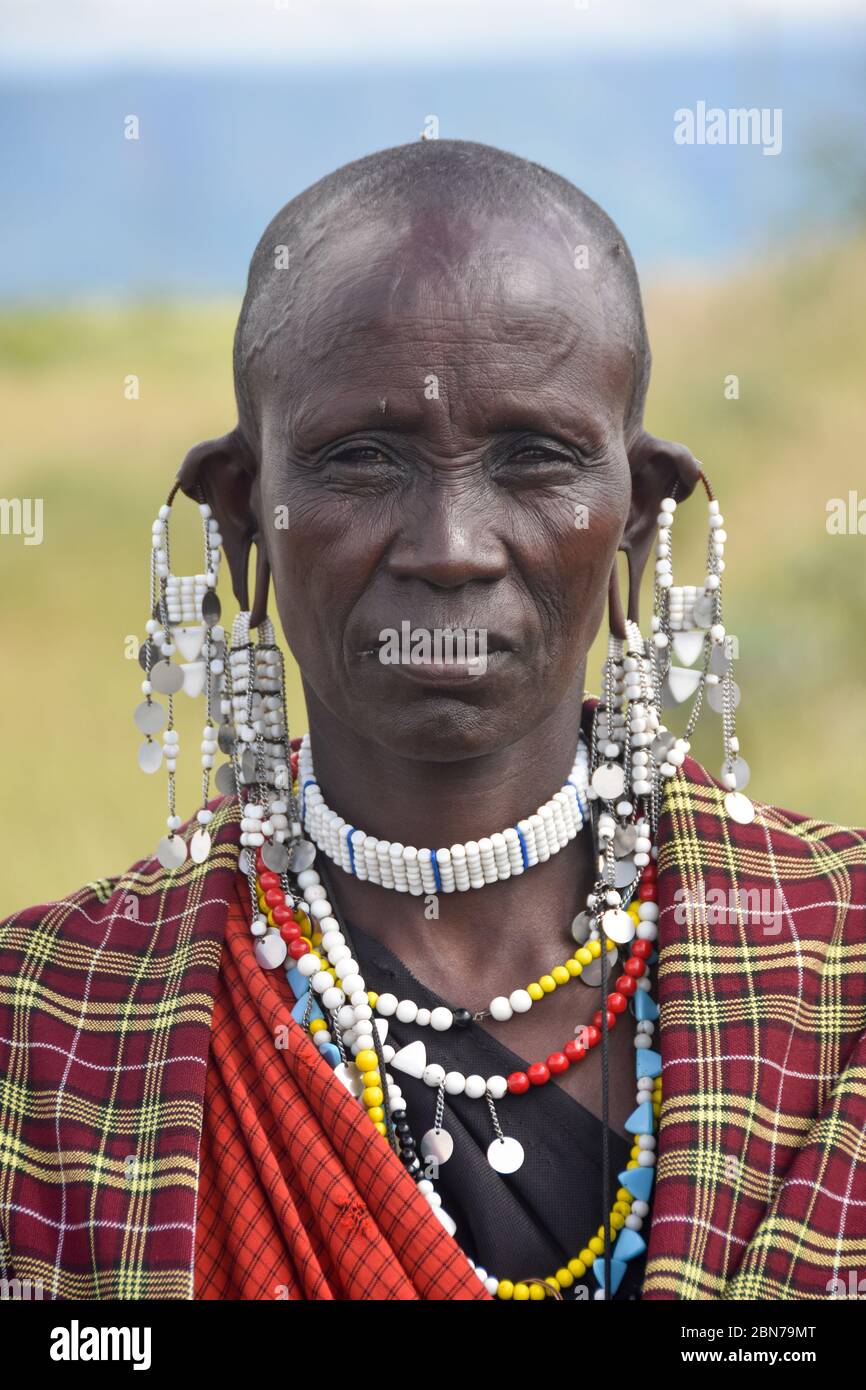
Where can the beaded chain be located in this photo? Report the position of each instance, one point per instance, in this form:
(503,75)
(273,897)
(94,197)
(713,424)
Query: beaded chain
(318,964)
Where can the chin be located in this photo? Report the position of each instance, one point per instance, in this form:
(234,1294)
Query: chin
(442,721)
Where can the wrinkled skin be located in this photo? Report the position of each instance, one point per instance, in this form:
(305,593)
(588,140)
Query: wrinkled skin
(454,511)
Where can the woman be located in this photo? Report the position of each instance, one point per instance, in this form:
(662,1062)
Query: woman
(299,1055)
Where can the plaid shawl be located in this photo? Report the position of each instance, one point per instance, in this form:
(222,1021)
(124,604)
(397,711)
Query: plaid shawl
(106,1006)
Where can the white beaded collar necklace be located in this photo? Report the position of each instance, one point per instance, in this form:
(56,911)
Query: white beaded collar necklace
(502,855)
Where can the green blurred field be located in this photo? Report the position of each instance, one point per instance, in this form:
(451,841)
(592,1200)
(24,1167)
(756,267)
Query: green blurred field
(75,803)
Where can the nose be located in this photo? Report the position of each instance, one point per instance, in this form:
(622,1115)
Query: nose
(447,541)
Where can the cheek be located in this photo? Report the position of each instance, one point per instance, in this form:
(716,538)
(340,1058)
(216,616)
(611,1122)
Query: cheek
(566,549)
(321,556)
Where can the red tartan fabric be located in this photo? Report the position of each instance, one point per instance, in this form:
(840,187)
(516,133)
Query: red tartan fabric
(298,1196)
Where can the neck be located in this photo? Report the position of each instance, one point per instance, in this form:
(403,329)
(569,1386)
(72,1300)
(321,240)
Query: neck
(438,803)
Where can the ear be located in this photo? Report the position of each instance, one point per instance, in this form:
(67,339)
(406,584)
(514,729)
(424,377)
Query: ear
(224,473)
(659,468)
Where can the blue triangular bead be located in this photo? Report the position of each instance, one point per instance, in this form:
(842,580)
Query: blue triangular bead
(299,1009)
(645,1008)
(617,1270)
(331,1054)
(640,1121)
(649,1063)
(639,1181)
(298,983)
(628,1245)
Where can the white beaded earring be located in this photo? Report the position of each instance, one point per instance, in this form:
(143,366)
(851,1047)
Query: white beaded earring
(687,624)
(183,651)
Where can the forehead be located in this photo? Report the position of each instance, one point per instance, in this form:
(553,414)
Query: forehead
(520,322)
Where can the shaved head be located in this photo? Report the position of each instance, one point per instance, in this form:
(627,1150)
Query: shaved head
(427,184)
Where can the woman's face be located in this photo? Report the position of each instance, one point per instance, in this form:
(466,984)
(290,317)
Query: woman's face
(442,445)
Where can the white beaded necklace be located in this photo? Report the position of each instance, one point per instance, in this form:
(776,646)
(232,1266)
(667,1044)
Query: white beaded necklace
(502,855)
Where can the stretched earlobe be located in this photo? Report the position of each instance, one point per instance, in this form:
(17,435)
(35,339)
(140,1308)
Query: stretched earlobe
(224,473)
(659,468)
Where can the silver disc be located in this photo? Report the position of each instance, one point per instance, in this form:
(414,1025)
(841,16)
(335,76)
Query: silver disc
(226,738)
(739,808)
(199,846)
(662,745)
(618,926)
(704,611)
(147,648)
(608,781)
(211,609)
(225,779)
(276,856)
(715,696)
(301,856)
(718,659)
(166,678)
(741,770)
(438,1144)
(581,927)
(171,851)
(149,716)
(150,756)
(505,1155)
(591,974)
(244,862)
(624,840)
(624,872)
(248,765)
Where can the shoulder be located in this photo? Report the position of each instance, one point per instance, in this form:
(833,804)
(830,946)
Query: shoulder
(815,868)
(110,923)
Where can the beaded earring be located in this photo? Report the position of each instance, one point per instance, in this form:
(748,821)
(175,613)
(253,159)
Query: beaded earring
(183,652)
(687,624)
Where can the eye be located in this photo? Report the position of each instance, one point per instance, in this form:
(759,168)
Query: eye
(532,461)
(358,454)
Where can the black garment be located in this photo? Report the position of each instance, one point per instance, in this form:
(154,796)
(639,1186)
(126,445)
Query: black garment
(531,1222)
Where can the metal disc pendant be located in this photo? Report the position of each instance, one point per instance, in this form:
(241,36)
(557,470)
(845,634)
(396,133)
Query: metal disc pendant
(591,974)
(618,926)
(581,927)
(150,756)
(244,862)
(211,609)
(505,1155)
(149,716)
(301,856)
(146,649)
(438,1144)
(715,696)
(718,658)
(225,779)
(624,872)
(739,808)
(199,846)
(248,765)
(608,781)
(276,856)
(171,851)
(166,678)
(226,738)
(741,770)
(624,840)
(662,745)
(704,611)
